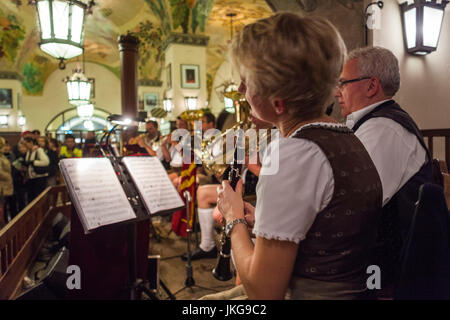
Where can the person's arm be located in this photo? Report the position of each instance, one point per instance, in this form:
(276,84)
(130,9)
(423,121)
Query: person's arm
(41,159)
(166,153)
(283,216)
(149,150)
(254,168)
(395,152)
(255,262)
(5,172)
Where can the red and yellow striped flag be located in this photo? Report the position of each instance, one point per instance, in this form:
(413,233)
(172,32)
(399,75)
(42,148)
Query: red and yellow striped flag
(179,219)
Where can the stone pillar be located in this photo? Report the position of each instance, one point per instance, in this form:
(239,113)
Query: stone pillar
(128,48)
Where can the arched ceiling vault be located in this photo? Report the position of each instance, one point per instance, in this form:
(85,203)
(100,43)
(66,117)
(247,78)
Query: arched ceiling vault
(151,20)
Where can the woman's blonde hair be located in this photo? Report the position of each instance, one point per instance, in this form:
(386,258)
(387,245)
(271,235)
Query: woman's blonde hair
(297,59)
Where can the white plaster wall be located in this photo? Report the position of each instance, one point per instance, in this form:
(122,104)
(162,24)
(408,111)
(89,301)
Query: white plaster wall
(39,110)
(224,74)
(178,54)
(425,80)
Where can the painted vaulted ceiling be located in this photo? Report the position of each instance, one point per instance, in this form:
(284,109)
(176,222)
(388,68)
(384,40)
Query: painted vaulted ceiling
(151,20)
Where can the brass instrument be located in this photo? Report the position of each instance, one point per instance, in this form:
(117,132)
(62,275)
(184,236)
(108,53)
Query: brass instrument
(215,157)
(211,164)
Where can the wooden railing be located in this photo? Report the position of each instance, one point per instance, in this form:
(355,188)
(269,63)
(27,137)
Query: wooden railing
(22,238)
(430,134)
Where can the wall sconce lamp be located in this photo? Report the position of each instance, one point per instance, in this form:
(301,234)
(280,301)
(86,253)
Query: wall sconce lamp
(422,23)
(4,120)
(190,103)
(21,120)
(168,104)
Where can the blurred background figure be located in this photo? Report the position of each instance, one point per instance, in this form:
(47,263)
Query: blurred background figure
(68,150)
(38,164)
(53,157)
(6,183)
(19,175)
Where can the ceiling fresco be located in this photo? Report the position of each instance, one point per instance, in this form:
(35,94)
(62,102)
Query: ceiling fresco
(150,20)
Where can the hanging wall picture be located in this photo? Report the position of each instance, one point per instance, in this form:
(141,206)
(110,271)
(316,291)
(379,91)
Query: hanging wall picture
(150,101)
(190,76)
(6,98)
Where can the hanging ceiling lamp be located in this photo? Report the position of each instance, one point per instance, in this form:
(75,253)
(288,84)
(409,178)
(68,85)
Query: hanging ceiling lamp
(230,87)
(78,88)
(85,110)
(61,24)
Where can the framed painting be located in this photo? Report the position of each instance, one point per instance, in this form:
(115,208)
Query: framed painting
(190,76)
(6,99)
(150,100)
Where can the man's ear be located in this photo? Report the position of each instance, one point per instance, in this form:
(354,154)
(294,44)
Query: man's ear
(374,87)
(279,105)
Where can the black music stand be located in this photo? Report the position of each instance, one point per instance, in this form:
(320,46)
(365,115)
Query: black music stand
(136,286)
(189,282)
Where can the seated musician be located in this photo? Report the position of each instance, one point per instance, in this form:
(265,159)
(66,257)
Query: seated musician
(172,152)
(315,214)
(369,80)
(206,203)
(148,140)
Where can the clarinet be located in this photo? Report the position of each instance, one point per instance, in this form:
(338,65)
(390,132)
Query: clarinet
(222,271)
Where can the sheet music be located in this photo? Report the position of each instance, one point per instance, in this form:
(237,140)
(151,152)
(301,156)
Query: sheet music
(153,183)
(97,191)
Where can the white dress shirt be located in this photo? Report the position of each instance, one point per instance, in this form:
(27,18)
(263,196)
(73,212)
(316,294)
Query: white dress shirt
(289,201)
(396,153)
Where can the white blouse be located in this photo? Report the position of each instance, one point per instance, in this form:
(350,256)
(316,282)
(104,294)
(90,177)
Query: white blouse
(290,199)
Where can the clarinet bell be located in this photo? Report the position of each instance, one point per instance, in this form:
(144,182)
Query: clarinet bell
(222,271)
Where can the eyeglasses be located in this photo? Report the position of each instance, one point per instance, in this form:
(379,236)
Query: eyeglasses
(341,83)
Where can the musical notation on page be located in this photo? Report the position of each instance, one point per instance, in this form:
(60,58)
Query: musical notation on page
(96,192)
(153,184)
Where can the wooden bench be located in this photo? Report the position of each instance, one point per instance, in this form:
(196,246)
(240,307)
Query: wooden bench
(22,238)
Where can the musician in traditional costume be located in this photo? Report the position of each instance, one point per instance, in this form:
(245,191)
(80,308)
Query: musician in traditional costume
(319,194)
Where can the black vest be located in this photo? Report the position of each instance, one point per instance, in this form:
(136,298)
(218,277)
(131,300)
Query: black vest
(398,212)
(337,245)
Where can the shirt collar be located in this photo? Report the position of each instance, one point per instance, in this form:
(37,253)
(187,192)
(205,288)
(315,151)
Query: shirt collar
(354,117)
(325,124)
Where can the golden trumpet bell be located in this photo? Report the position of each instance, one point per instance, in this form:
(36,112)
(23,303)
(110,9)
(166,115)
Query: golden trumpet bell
(191,115)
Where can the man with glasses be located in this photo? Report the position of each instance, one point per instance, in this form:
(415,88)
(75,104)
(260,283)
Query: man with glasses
(369,80)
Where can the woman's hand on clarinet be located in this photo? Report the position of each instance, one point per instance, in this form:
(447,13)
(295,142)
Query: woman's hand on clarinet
(249,214)
(230,202)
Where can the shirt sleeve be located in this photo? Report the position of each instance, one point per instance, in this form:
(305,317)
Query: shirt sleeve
(289,200)
(396,153)
(41,158)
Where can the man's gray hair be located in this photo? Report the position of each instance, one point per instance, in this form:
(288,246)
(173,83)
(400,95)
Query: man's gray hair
(381,63)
